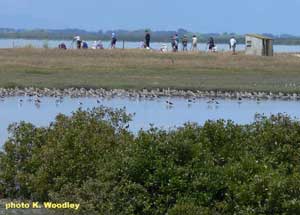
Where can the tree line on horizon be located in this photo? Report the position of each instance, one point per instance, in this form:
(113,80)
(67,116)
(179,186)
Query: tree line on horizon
(134,36)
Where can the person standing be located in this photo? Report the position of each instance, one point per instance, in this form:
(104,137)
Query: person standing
(211,44)
(147,39)
(78,41)
(184,43)
(194,43)
(175,42)
(232,45)
(113,41)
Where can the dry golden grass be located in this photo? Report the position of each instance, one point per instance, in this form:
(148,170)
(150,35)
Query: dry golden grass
(143,69)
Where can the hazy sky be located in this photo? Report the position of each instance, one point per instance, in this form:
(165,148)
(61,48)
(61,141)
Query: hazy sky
(241,16)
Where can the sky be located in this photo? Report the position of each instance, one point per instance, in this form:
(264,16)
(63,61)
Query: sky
(211,16)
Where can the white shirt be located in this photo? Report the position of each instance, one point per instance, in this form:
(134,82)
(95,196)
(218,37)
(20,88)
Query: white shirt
(233,42)
(195,40)
(77,38)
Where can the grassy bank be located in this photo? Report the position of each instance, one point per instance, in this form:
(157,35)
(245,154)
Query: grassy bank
(136,69)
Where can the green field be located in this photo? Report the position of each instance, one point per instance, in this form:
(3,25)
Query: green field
(137,69)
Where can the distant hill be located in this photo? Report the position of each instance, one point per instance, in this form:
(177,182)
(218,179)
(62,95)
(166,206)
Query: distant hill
(136,35)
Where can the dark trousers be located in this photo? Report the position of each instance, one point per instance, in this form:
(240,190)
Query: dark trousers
(78,44)
(147,43)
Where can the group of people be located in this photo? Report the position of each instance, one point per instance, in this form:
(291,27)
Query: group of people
(211,46)
(80,44)
(175,41)
(99,45)
(232,45)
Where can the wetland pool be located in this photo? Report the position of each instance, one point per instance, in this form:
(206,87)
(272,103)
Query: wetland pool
(157,112)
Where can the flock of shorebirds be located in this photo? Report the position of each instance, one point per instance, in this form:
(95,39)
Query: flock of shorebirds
(37,100)
(211,101)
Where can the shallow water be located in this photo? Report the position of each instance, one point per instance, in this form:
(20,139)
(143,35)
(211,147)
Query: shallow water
(11,43)
(147,112)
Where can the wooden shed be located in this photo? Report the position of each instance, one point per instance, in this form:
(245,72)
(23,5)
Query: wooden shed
(259,45)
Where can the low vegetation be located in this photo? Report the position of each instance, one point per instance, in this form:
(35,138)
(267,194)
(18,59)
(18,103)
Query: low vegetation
(137,69)
(218,168)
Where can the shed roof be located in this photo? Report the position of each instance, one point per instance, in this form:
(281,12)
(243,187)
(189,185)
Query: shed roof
(259,36)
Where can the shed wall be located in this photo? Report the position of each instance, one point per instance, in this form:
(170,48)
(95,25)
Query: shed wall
(256,47)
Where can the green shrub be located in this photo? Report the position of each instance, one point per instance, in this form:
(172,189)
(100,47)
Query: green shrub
(218,168)
(189,208)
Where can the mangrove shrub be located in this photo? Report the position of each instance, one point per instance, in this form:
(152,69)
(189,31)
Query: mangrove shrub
(91,158)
